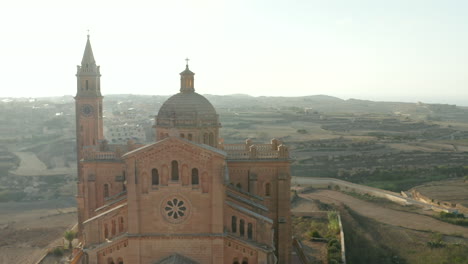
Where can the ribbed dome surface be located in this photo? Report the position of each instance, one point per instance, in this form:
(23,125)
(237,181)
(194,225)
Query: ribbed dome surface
(187,108)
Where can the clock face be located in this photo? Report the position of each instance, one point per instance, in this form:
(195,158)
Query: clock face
(87,110)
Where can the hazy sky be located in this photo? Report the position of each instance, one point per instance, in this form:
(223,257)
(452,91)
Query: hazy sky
(407,50)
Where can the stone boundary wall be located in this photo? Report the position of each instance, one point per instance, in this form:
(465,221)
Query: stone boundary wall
(325,183)
(451,207)
(298,246)
(351,187)
(321,215)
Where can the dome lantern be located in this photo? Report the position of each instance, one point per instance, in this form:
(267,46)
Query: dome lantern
(186,80)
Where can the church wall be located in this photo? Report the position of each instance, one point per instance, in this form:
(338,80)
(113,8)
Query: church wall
(106,228)
(116,251)
(96,176)
(203,202)
(261,230)
(148,250)
(276,173)
(234,250)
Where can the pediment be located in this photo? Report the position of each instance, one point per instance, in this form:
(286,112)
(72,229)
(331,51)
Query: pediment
(174,144)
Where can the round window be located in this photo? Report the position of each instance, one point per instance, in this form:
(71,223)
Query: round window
(175,209)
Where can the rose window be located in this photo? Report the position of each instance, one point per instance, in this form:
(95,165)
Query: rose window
(175,209)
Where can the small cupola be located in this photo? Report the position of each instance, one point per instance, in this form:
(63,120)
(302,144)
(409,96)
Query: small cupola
(186,80)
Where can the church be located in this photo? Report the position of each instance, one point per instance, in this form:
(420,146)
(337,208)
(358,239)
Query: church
(185,198)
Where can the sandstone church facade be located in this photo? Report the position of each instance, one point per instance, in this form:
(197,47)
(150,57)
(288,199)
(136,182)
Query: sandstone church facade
(187,197)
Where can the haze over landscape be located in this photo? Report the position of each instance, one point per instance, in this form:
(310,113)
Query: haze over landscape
(377,50)
(308,132)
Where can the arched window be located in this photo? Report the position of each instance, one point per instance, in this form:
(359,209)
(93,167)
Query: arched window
(239,186)
(182,135)
(110,261)
(106,190)
(190,137)
(249,231)
(245,261)
(268,189)
(86,81)
(234,224)
(195,180)
(174,170)
(113,230)
(241,227)
(106,231)
(120,261)
(212,139)
(205,138)
(235,261)
(154,177)
(121,224)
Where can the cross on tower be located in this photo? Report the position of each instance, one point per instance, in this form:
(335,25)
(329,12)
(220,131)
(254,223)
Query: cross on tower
(187,59)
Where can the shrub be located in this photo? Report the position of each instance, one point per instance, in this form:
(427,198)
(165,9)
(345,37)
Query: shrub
(58,251)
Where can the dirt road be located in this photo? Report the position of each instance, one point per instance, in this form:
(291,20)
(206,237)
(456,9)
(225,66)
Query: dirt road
(386,215)
(28,228)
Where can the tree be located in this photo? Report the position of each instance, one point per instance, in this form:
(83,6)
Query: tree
(69,235)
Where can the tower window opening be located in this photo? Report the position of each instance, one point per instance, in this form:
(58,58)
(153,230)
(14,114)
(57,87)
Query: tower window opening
(239,186)
(241,227)
(174,170)
(106,231)
(249,230)
(154,177)
(268,189)
(234,224)
(106,190)
(121,224)
(113,228)
(86,84)
(195,180)
(190,137)
(211,139)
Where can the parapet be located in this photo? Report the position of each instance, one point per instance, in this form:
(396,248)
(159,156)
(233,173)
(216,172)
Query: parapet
(251,151)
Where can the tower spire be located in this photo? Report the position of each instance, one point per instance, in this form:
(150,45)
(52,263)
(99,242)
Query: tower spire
(88,56)
(88,73)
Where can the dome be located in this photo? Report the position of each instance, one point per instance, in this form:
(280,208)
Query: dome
(187,109)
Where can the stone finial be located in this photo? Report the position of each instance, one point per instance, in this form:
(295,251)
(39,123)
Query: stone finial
(253,151)
(221,143)
(104,145)
(283,152)
(130,144)
(275,143)
(118,152)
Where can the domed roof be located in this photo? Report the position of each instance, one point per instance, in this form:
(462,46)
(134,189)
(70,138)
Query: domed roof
(187,109)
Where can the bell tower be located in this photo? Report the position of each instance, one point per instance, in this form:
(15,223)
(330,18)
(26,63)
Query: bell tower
(88,102)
